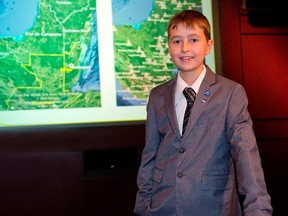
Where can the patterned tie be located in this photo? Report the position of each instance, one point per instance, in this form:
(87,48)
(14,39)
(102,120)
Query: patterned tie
(190,96)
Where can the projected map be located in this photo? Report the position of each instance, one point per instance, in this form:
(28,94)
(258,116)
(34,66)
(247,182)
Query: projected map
(49,56)
(83,61)
(140,42)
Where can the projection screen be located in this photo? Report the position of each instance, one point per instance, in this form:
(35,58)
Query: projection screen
(84,61)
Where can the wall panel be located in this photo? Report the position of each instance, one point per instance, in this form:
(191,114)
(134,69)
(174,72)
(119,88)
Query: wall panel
(257,58)
(265,71)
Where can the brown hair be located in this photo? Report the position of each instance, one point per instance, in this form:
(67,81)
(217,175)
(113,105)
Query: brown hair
(190,18)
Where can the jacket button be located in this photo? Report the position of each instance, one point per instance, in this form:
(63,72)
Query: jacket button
(181,150)
(180,174)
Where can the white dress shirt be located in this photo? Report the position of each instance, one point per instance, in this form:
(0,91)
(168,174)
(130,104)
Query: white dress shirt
(180,100)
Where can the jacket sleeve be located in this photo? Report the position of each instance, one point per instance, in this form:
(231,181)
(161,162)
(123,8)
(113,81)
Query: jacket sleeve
(245,154)
(145,173)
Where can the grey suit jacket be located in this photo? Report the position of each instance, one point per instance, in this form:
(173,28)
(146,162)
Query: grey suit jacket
(203,172)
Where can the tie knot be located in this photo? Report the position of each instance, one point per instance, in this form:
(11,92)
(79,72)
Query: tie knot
(189,94)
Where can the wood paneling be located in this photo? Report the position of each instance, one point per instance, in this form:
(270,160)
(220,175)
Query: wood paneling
(111,193)
(257,58)
(265,69)
(231,40)
(65,138)
(41,184)
(246,28)
(274,162)
(271,129)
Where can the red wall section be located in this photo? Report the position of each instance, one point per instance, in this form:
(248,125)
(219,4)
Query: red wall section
(230,40)
(266,74)
(257,57)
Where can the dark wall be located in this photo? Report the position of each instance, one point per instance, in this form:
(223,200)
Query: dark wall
(41,184)
(89,170)
(255,54)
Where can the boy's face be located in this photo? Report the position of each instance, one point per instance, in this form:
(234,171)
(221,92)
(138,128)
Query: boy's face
(188,47)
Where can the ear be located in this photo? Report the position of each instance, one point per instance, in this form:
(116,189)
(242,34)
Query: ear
(210,44)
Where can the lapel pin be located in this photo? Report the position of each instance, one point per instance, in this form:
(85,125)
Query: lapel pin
(207,93)
(203,101)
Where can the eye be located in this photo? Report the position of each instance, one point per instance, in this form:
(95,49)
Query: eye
(176,42)
(193,40)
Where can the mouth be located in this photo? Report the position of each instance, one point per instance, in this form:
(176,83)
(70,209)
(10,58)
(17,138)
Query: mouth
(186,58)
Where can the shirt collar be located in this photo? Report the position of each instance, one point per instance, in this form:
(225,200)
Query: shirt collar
(181,84)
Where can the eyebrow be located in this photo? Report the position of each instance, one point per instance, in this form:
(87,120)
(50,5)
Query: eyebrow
(190,35)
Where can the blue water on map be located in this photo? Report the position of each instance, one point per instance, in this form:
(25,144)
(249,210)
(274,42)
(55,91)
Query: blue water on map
(122,101)
(17,17)
(2,7)
(131,12)
(89,78)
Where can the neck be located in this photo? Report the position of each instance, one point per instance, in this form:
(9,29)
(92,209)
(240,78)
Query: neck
(191,76)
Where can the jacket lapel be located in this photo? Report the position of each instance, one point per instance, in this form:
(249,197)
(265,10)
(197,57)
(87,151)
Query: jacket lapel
(169,97)
(202,99)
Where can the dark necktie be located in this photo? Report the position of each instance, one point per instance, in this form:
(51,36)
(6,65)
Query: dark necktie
(190,96)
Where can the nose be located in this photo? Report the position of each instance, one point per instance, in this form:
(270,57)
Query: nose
(185,46)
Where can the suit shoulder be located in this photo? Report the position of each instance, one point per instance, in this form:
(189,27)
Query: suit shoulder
(158,90)
(219,80)
(225,86)
(228,83)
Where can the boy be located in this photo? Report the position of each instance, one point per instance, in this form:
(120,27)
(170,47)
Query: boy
(200,166)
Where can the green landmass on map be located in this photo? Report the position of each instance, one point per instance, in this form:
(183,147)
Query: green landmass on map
(142,60)
(39,71)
